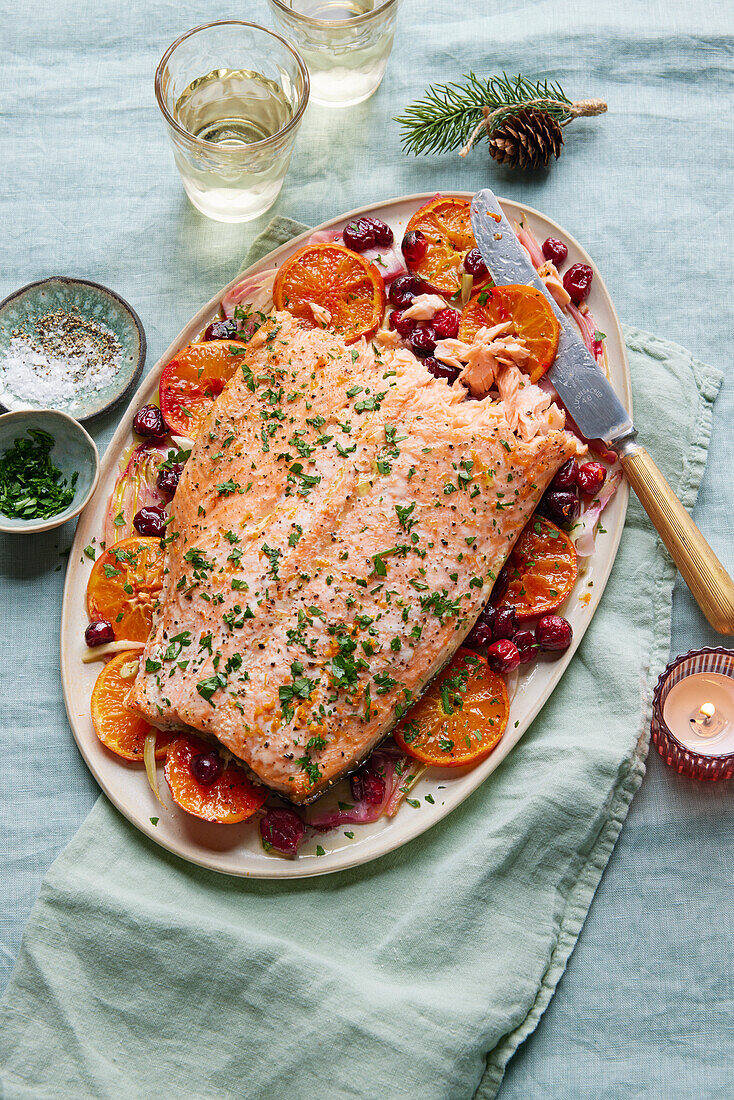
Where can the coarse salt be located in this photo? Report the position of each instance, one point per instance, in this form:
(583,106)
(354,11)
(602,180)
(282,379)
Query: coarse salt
(64,354)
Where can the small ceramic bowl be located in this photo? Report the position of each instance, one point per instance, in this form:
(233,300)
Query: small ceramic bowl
(74,452)
(68,344)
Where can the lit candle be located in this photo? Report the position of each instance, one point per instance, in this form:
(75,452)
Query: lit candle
(699,712)
(692,723)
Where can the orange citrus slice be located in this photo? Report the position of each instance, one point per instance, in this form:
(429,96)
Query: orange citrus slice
(446,224)
(230,798)
(540,571)
(532,319)
(119,729)
(461,716)
(337,280)
(124,585)
(191,383)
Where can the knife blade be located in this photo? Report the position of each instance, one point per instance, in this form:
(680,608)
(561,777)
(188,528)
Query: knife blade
(580,383)
(599,414)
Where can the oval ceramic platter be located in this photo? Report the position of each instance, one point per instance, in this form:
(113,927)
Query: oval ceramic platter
(236,849)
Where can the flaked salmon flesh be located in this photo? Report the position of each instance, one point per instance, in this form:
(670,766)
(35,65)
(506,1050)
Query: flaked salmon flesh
(336,532)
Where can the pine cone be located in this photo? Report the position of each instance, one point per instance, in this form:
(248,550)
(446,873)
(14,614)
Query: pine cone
(526,139)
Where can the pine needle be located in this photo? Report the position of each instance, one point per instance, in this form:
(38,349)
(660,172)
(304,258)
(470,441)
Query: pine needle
(447,114)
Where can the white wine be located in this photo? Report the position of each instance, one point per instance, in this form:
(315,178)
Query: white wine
(346,48)
(233,107)
(232,96)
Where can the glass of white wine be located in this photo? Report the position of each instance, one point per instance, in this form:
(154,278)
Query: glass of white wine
(345,43)
(233,96)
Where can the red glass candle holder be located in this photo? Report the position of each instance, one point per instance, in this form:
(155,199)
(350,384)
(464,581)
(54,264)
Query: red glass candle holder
(687,761)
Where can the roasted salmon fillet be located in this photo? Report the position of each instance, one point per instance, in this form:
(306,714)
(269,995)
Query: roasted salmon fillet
(336,532)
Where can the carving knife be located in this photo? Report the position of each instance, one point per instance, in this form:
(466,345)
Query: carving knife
(599,414)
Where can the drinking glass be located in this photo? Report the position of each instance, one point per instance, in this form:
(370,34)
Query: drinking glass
(233,96)
(345,43)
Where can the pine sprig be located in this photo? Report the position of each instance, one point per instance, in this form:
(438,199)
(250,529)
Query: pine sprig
(448,113)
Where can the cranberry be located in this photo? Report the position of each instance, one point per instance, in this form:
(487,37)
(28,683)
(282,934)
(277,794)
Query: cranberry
(221,330)
(577,282)
(555,251)
(441,370)
(367,786)
(168,478)
(359,235)
(480,634)
(503,656)
(553,633)
(500,585)
(474,264)
(591,477)
(446,324)
(149,422)
(382,231)
(489,614)
(561,505)
(414,246)
(99,632)
(206,767)
(365,233)
(527,647)
(150,522)
(404,289)
(566,476)
(282,830)
(423,341)
(505,622)
(402,325)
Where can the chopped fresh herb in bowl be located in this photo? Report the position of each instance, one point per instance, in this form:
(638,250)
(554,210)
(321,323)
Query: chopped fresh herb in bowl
(31,487)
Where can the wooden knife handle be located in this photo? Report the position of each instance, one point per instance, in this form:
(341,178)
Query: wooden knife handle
(711,585)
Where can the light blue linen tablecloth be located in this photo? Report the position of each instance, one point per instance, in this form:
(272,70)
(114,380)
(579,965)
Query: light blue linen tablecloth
(89,189)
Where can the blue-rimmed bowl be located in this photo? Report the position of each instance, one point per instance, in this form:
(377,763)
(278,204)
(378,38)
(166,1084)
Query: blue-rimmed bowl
(90,302)
(74,452)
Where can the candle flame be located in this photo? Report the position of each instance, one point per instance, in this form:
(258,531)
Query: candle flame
(708,710)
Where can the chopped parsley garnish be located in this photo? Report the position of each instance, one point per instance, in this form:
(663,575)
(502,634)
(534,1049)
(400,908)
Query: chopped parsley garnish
(404,512)
(226,488)
(206,688)
(452,689)
(273,554)
(379,564)
(31,487)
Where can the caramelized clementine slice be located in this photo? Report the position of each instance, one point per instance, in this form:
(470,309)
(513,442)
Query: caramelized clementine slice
(230,797)
(531,315)
(446,225)
(332,278)
(461,716)
(540,571)
(122,730)
(191,383)
(124,585)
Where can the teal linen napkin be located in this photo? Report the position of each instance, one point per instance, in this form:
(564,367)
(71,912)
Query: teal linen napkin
(416,975)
